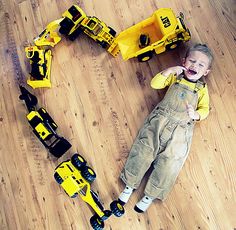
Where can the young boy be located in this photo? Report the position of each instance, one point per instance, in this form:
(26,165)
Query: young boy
(165,138)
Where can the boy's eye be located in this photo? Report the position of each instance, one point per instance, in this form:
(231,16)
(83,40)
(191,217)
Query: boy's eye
(201,65)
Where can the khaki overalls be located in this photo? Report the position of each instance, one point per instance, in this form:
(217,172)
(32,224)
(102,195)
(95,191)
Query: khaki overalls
(163,142)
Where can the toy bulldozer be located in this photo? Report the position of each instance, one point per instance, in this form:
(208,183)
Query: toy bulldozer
(40,56)
(43,125)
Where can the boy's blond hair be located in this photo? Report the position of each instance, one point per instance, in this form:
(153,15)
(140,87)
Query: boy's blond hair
(201,48)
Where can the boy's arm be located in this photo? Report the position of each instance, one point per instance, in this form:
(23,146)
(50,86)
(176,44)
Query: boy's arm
(166,77)
(160,81)
(203,104)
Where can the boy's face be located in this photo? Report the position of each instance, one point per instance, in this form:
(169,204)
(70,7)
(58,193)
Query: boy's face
(197,65)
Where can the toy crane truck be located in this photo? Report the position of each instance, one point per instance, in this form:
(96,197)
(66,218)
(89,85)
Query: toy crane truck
(158,33)
(75,178)
(43,125)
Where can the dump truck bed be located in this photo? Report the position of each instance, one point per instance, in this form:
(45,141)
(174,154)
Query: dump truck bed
(158,26)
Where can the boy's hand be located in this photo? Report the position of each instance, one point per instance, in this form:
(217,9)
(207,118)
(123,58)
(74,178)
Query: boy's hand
(173,70)
(192,113)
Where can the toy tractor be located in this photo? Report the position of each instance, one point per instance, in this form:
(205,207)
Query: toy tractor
(43,125)
(158,33)
(75,21)
(75,178)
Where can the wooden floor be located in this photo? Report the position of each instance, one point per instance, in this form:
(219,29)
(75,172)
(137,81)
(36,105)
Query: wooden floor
(99,103)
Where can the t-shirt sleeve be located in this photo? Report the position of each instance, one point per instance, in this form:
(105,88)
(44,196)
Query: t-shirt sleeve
(160,81)
(203,103)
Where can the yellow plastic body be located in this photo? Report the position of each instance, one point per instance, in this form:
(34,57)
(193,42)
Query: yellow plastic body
(77,21)
(42,131)
(73,183)
(97,30)
(45,59)
(163,28)
(49,37)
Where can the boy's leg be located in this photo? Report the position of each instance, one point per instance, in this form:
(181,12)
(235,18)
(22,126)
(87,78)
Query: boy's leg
(142,154)
(169,163)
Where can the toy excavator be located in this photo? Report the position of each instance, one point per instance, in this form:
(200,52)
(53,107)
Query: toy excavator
(75,178)
(43,125)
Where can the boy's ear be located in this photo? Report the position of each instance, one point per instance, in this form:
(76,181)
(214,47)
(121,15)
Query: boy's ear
(207,72)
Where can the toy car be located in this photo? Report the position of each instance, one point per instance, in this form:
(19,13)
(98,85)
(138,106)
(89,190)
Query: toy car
(75,21)
(75,178)
(43,125)
(160,32)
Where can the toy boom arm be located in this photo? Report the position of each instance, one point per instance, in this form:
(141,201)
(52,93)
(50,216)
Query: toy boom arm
(30,100)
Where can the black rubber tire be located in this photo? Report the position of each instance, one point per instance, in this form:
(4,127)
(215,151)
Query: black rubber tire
(66,25)
(75,34)
(103,44)
(117,208)
(112,31)
(88,174)
(78,161)
(172,45)
(145,56)
(96,222)
(58,178)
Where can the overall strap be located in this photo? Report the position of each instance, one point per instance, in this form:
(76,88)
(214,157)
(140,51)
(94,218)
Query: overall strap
(200,84)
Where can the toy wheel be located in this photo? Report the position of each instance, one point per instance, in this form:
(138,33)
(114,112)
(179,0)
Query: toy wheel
(112,31)
(58,178)
(78,161)
(96,222)
(172,45)
(88,174)
(117,209)
(66,25)
(75,34)
(103,44)
(145,56)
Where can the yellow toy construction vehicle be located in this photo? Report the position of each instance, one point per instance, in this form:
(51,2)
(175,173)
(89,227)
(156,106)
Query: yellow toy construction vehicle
(41,57)
(40,62)
(75,21)
(162,31)
(75,178)
(43,125)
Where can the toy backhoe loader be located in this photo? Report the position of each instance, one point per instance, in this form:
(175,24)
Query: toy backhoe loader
(43,125)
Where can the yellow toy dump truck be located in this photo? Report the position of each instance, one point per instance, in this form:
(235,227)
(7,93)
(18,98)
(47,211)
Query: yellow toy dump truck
(158,33)
(75,178)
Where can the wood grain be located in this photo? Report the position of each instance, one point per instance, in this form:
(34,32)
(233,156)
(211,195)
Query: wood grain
(99,103)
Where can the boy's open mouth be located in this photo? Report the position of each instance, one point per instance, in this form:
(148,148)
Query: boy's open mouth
(192,72)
